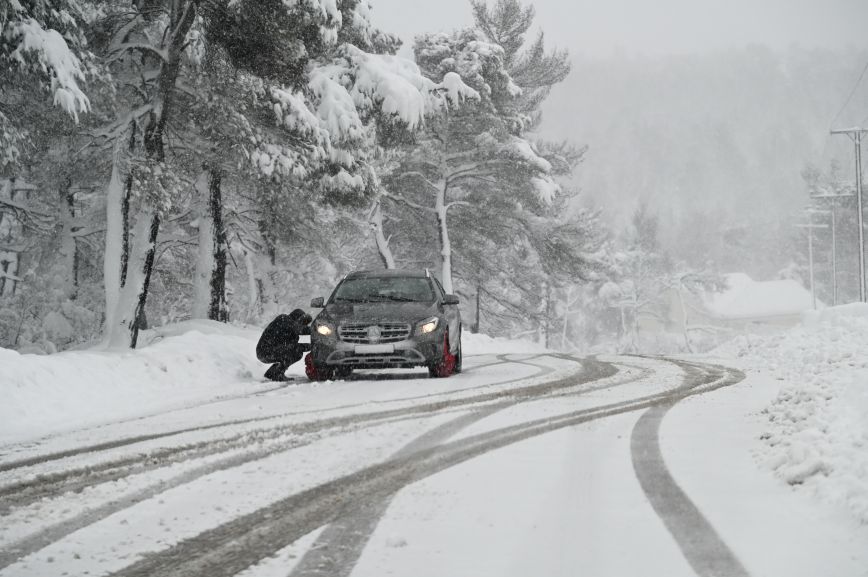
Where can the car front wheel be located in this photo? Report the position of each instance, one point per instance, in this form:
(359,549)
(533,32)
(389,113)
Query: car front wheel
(445,365)
(316,372)
(459,355)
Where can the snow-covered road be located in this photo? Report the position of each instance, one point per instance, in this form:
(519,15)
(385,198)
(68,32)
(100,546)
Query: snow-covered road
(540,464)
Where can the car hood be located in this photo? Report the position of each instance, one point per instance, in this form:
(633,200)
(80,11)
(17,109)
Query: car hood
(375,312)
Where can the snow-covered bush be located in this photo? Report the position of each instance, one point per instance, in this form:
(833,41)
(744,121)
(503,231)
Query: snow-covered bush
(817,429)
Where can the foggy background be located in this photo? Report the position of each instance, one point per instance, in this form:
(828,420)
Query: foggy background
(708,112)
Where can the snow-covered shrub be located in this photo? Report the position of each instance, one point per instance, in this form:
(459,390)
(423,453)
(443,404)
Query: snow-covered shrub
(817,430)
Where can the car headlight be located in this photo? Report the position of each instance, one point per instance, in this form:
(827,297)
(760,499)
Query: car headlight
(428,326)
(324,329)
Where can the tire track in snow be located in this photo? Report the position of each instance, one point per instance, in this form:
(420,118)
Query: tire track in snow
(702,547)
(28,491)
(13,551)
(339,547)
(234,546)
(45,488)
(118,443)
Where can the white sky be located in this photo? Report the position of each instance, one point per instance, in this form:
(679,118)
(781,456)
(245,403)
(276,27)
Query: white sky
(602,27)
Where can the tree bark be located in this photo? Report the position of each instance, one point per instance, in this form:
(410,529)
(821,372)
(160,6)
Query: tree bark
(210,282)
(68,245)
(477,321)
(443,229)
(375,219)
(182,16)
(253,306)
(113,276)
(139,318)
(219,310)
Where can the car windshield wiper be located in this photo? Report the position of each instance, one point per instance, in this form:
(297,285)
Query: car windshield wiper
(395,298)
(348,300)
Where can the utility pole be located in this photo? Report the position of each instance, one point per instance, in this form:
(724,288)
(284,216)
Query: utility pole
(833,198)
(855,134)
(810,226)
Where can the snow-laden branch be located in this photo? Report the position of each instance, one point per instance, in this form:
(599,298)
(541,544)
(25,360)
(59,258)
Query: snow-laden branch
(54,58)
(5,275)
(121,49)
(20,207)
(457,203)
(417,174)
(410,203)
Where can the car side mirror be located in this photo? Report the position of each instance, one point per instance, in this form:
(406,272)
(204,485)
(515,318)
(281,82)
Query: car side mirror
(451,300)
(317,303)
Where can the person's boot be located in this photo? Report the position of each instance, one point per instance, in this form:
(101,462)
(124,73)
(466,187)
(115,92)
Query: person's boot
(275,372)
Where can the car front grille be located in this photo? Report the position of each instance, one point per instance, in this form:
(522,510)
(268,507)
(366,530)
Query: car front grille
(361,332)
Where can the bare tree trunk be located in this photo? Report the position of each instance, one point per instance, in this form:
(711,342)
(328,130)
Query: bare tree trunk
(139,319)
(567,306)
(477,320)
(68,245)
(181,18)
(548,315)
(440,208)
(254,309)
(375,219)
(125,220)
(210,280)
(219,310)
(113,276)
(9,273)
(684,323)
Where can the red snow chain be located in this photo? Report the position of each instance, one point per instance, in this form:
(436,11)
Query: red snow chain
(312,372)
(446,366)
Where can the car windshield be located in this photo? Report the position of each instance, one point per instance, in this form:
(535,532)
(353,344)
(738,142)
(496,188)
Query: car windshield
(384,289)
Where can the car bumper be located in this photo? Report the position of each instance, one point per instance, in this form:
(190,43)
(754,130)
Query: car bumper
(418,350)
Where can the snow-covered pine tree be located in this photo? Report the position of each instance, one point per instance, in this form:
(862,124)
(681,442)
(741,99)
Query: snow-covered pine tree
(332,126)
(478,141)
(531,67)
(43,50)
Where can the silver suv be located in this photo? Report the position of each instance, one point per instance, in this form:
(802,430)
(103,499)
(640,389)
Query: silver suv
(385,319)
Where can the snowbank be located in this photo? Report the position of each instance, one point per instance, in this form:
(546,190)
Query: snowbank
(480,344)
(184,363)
(817,430)
(178,366)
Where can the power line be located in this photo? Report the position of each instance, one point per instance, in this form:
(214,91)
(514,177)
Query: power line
(852,94)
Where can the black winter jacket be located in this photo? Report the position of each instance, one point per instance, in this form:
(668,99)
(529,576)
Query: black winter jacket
(279,340)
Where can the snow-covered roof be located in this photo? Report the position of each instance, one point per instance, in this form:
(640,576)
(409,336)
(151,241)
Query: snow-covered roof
(746,298)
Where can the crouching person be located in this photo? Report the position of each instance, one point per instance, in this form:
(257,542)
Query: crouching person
(279,343)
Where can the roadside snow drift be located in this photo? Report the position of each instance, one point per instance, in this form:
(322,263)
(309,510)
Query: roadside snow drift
(182,364)
(185,363)
(817,431)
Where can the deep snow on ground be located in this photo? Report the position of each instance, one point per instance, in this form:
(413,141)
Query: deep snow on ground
(181,365)
(816,429)
(709,442)
(552,504)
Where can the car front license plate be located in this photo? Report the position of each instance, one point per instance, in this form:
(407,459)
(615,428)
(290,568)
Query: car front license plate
(374,349)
